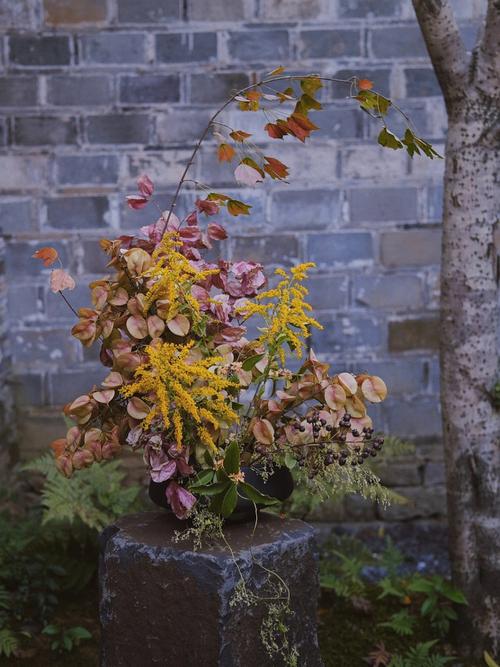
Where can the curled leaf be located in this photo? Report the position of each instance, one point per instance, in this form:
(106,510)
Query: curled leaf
(48,255)
(137,408)
(374,389)
(179,325)
(239,135)
(145,186)
(263,432)
(105,396)
(60,280)
(225,153)
(236,207)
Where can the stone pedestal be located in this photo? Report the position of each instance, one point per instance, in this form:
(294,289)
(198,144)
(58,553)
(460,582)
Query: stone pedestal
(164,604)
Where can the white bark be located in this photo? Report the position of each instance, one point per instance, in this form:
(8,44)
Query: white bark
(470,329)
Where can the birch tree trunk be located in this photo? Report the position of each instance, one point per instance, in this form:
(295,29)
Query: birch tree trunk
(470,329)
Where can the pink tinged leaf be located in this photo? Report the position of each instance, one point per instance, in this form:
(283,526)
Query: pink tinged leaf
(263,432)
(335,396)
(145,186)
(247,175)
(202,296)
(60,280)
(216,232)
(107,328)
(179,325)
(156,326)
(137,408)
(120,297)
(137,260)
(355,407)
(83,458)
(113,380)
(73,436)
(207,207)
(374,389)
(64,465)
(192,219)
(348,383)
(105,396)
(180,499)
(136,202)
(164,471)
(137,327)
(128,361)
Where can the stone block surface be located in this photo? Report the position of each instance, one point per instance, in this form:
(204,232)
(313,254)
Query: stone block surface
(161,602)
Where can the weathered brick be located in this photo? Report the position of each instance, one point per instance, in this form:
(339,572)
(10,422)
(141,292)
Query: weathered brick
(435,202)
(29,389)
(68,384)
(149,89)
(417,247)
(163,167)
(357,508)
(397,42)
(328,292)
(23,172)
(149,11)
(44,130)
(94,259)
(78,212)
(215,88)
(414,334)
(339,248)
(36,430)
(181,125)
(399,474)
(16,216)
(18,14)
(17,91)
(290,10)
(339,123)
(219,10)
(414,419)
(280,249)
(49,345)
(380,78)
(422,503)
(348,334)
(402,376)
(47,51)
(368,8)
(259,45)
(186,47)
(330,43)
(359,161)
(118,129)
(25,302)
(68,12)
(304,209)
(421,82)
(383,204)
(114,48)
(21,265)
(395,291)
(57,309)
(87,169)
(71,90)
(434,473)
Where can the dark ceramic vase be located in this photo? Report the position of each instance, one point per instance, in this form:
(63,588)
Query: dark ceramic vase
(279,485)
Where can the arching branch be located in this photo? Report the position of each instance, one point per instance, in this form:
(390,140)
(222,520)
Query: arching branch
(444,44)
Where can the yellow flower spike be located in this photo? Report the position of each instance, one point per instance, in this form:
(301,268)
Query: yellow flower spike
(182,392)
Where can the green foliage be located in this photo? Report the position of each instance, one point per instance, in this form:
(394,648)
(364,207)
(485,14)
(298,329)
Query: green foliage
(438,593)
(8,643)
(401,622)
(342,570)
(489,660)
(420,656)
(95,497)
(65,639)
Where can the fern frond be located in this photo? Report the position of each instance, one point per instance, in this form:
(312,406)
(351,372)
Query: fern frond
(8,642)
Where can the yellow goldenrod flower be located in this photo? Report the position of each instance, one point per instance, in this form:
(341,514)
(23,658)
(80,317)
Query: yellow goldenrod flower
(187,395)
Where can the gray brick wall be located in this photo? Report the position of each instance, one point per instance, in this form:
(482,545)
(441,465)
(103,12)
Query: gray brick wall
(7,416)
(94,92)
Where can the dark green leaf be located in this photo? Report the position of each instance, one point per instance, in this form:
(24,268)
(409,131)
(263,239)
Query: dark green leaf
(229,501)
(205,477)
(210,489)
(232,458)
(389,140)
(249,363)
(256,496)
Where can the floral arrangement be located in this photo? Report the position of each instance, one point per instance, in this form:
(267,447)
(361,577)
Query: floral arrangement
(203,402)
